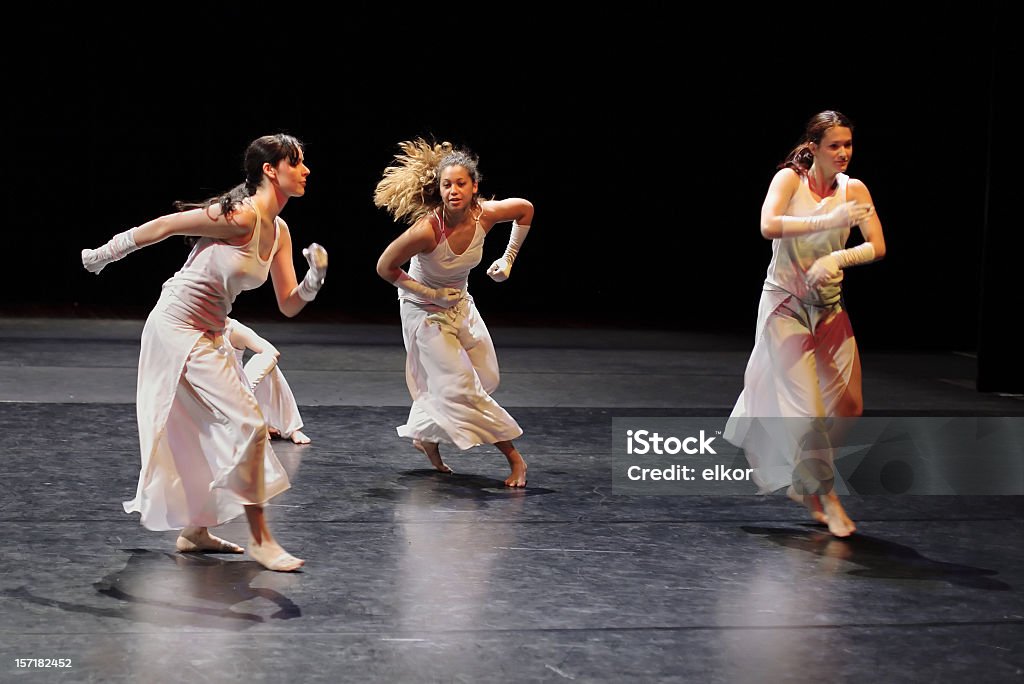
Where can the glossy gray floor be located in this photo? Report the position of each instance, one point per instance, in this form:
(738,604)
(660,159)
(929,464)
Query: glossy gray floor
(413,576)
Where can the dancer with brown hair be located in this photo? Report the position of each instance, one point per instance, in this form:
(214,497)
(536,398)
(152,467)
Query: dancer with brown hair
(805,366)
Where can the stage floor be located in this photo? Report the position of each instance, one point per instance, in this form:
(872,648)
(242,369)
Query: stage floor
(415,576)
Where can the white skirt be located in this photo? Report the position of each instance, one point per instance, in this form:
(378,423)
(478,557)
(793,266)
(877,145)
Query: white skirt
(803,364)
(451,370)
(204,442)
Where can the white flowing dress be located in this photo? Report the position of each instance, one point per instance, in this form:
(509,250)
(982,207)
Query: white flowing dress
(451,366)
(805,356)
(204,441)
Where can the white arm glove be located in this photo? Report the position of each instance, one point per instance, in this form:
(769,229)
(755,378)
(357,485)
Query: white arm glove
(501,268)
(442,296)
(260,365)
(316,257)
(845,215)
(828,267)
(118,247)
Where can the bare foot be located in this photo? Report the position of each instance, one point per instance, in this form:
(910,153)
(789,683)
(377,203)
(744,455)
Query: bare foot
(199,540)
(839,524)
(515,462)
(271,556)
(518,476)
(299,437)
(274,434)
(812,501)
(434,454)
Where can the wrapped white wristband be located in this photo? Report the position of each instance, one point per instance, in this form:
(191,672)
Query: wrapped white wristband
(116,248)
(259,366)
(309,287)
(316,257)
(515,241)
(854,256)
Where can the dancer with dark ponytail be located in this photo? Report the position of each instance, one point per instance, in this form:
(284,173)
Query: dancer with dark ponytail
(206,455)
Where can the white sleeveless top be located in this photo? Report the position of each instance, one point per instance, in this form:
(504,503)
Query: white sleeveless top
(441,267)
(792,257)
(214,274)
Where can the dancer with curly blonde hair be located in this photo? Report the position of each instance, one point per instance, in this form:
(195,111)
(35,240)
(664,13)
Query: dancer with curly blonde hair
(451,366)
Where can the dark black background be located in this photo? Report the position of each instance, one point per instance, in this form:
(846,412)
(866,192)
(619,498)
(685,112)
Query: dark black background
(645,134)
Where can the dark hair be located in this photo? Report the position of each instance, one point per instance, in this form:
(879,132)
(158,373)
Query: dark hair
(268,149)
(800,157)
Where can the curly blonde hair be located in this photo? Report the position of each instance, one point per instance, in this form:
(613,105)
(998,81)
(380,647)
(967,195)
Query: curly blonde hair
(408,190)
